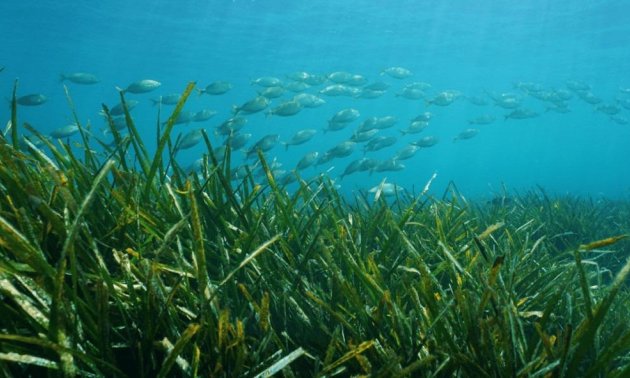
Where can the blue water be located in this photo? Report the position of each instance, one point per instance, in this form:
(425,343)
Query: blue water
(473,47)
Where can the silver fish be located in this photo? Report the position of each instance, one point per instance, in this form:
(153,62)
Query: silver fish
(397,72)
(419,85)
(377,86)
(411,93)
(184,117)
(389,165)
(356,80)
(609,109)
(272,92)
(34,99)
(589,97)
(482,120)
(466,134)
(299,76)
(577,85)
(231,125)
(354,166)
(415,127)
(142,86)
(406,152)
(297,86)
(238,141)
(340,77)
(309,100)
(384,122)
(370,94)
(477,100)
(203,115)
(190,139)
(80,78)
(522,113)
(285,109)
(169,99)
(300,137)
(254,105)
(379,142)
(426,141)
(267,81)
(118,109)
(345,116)
(425,117)
(340,90)
(308,160)
(444,98)
(363,136)
(387,189)
(265,144)
(65,131)
(216,88)
(342,149)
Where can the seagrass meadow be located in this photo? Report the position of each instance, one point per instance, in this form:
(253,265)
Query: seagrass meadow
(122,264)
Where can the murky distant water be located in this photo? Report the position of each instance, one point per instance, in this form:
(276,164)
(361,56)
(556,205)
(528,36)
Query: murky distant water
(476,48)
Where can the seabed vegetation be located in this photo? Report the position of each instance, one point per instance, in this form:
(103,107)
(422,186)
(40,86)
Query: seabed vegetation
(128,266)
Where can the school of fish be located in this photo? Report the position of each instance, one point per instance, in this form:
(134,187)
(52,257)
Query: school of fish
(290,95)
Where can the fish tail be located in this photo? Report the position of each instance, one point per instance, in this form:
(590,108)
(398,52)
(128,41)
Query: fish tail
(286,146)
(201,91)
(62,78)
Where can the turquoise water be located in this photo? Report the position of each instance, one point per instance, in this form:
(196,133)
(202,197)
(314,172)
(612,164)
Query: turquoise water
(472,47)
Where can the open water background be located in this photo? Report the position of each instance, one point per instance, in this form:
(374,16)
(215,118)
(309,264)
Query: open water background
(472,47)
